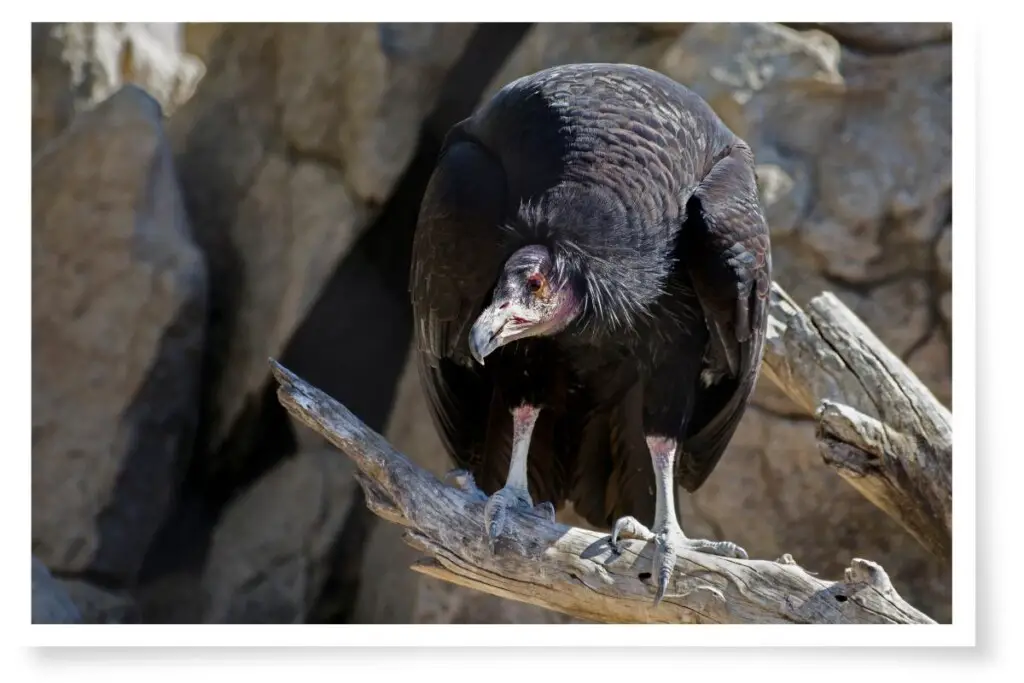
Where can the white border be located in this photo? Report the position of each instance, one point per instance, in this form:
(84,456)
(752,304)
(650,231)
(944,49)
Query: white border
(962,632)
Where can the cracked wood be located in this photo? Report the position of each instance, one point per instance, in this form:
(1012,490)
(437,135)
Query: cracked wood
(879,427)
(573,570)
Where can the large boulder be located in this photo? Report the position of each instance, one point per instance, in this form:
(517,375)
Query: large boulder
(76,66)
(118,314)
(273,548)
(295,137)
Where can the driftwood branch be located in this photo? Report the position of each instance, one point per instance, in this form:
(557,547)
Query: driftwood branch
(573,570)
(878,425)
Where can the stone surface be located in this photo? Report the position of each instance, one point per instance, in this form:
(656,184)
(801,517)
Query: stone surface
(889,36)
(51,603)
(118,311)
(270,552)
(100,606)
(294,138)
(76,66)
(547,45)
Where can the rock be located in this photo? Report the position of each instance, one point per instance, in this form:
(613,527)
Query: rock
(944,254)
(295,136)
(759,78)
(272,549)
(51,603)
(547,45)
(889,36)
(172,598)
(99,606)
(76,66)
(932,362)
(118,315)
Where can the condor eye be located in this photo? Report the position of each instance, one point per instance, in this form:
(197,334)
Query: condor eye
(534,283)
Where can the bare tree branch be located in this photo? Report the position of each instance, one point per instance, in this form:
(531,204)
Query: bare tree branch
(573,570)
(879,426)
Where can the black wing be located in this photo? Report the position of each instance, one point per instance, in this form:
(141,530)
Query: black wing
(456,256)
(727,254)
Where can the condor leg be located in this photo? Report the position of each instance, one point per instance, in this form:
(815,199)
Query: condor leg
(515,495)
(666,534)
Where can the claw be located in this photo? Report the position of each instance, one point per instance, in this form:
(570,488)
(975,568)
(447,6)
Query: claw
(509,498)
(629,527)
(665,561)
(668,542)
(545,510)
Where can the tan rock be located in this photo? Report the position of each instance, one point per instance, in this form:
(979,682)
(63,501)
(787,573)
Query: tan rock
(270,553)
(944,253)
(898,312)
(932,362)
(296,134)
(118,313)
(547,45)
(889,36)
(76,66)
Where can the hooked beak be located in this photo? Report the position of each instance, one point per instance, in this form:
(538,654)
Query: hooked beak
(485,336)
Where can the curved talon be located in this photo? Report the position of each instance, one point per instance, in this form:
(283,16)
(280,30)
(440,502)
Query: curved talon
(545,510)
(664,563)
(670,541)
(629,527)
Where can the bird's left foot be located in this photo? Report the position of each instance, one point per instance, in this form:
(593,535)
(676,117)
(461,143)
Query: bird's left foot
(507,499)
(669,541)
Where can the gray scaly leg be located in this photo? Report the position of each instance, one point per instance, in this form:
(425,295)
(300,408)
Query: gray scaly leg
(515,494)
(667,534)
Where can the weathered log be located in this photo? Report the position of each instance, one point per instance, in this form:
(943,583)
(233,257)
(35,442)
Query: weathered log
(878,425)
(575,571)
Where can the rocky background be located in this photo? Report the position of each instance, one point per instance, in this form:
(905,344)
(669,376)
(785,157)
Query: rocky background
(206,196)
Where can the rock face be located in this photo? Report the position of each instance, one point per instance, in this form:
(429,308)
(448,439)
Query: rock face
(76,66)
(270,553)
(293,139)
(118,308)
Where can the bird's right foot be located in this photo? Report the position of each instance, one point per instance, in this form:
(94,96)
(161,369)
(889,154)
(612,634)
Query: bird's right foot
(505,500)
(669,540)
